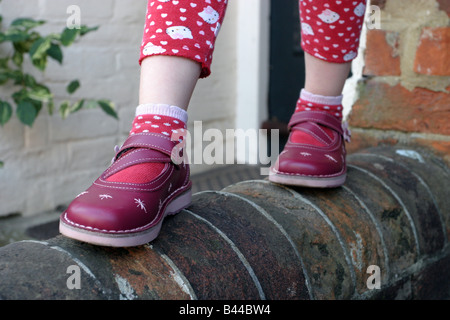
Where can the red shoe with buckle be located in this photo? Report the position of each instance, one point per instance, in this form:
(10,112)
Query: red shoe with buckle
(302,164)
(122,214)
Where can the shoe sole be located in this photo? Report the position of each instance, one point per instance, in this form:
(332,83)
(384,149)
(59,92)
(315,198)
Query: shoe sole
(126,239)
(303,181)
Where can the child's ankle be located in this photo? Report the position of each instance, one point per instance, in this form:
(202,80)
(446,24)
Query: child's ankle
(159,118)
(155,118)
(313,102)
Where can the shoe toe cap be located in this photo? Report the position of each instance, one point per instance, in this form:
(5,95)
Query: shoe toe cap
(105,215)
(309,164)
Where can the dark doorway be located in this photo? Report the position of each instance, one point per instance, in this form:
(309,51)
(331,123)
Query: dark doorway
(287,67)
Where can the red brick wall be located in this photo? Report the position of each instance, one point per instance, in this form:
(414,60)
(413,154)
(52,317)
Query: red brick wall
(404,97)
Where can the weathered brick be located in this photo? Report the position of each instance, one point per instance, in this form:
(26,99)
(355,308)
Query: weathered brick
(441,148)
(381,57)
(432,56)
(88,153)
(65,187)
(89,10)
(87,124)
(445,6)
(380,3)
(37,135)
(13,131)
(386,107)
(362,139)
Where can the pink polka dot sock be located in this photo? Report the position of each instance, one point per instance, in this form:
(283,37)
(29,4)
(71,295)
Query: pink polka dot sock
(313,102)
(155,118)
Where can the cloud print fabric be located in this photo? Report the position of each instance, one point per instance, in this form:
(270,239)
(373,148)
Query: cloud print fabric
(188,28)
(183,28)
(331,28)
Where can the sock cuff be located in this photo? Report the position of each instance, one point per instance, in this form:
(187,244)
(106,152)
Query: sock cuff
(163,110)
(315,98)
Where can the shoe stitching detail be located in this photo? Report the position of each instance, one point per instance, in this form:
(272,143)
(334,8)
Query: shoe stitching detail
(311,175)
(127,230)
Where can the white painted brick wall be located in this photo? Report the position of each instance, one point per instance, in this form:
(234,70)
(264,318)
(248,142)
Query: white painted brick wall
(50,163)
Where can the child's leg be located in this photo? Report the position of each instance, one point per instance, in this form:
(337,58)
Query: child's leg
(127,204)
(315,153)
(173,88)
(330,39)
(177,46)
(336,74)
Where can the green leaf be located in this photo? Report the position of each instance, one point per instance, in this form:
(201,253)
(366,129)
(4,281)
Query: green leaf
(68,36)
(26,112)
(15,75)
(15,35)
(31,95)
(40,63)
(91,104)
(3,77)
(5,112)
(73,86)
(64,109)
(40,93)
(17,58)
(24,45)
(1,164)
(39,48)
(38,52)
(4,63)
(108,108)
(77,106)
(29,80)
(85,29)
(55,52)
(20,95)
(37,105)
(50,106)
(27,23)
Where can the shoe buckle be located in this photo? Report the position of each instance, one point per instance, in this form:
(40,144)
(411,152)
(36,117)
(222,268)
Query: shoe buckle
(346,131)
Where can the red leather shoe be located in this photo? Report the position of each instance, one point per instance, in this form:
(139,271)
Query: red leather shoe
(130,214)
(308,165)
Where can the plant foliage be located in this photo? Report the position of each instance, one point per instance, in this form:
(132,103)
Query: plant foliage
(31,96)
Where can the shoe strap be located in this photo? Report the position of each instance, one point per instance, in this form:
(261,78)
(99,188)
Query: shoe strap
(148,140)
(141,148)
(319,117)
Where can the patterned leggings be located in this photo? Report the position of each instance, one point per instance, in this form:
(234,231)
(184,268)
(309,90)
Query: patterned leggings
(188,28)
